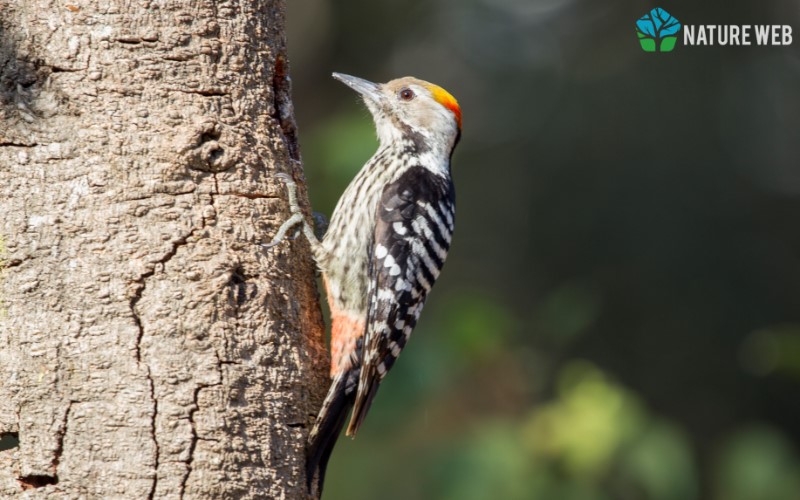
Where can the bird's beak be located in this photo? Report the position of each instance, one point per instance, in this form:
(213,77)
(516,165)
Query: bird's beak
(366,88)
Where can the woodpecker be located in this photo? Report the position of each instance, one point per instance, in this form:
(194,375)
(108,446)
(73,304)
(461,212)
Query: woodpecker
(384,248)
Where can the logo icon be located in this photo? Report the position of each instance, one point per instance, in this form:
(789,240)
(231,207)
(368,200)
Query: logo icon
(657,31)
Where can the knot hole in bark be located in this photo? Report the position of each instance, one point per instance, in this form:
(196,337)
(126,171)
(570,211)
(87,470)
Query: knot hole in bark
(240,290)
(202,148)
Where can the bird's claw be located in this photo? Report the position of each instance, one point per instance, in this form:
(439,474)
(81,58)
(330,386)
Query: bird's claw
(292,221)
(285,177)
(294,208)
(275,241)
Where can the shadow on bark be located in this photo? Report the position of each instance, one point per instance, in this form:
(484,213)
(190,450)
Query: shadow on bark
(21,79)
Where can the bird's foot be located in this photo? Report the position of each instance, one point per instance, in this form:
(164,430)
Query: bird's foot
(291,190)
(292,221)
(296,217)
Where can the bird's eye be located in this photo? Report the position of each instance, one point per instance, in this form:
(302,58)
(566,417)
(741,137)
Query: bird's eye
(406,94)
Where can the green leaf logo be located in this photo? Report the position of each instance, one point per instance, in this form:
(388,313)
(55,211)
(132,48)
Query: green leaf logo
(657,31)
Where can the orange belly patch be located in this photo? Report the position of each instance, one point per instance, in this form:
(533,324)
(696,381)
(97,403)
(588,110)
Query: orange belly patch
(345,331)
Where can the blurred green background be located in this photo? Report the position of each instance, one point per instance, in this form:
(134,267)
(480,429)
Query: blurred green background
(619,317)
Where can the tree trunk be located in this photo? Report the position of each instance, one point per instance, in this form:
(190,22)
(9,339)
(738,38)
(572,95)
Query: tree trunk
(149,347)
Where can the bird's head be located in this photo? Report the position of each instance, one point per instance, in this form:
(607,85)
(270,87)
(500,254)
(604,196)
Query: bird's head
(410,109)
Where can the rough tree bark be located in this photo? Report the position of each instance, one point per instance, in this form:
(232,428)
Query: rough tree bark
(149,348)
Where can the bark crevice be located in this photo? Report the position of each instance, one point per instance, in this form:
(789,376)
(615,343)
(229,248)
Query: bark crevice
(36,481)
(201,92)
(154,433)
(160,263)
(163,261)
(61,434)
(194,437)
(284,111)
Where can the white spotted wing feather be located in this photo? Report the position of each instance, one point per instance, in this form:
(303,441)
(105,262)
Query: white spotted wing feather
(415,218)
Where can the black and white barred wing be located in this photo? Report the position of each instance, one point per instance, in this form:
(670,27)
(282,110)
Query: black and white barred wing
(414,227)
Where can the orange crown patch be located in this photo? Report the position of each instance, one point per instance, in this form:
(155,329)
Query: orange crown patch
(447,100)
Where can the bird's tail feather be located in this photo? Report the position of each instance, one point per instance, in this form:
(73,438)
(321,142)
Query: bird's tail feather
(361,407)
(328,426)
